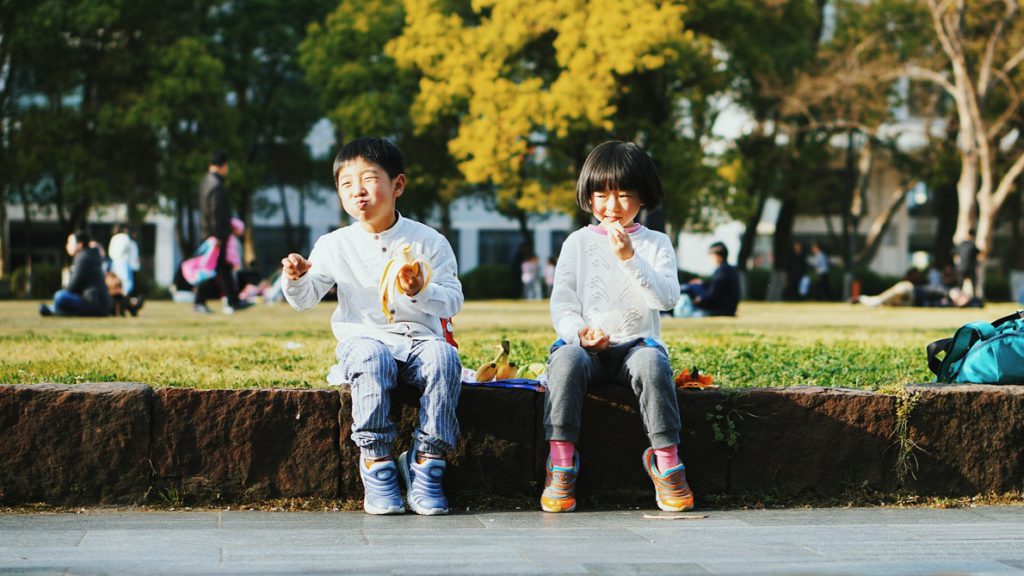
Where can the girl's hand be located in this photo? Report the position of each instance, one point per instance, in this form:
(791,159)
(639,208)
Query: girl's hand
(594,339)
(294,266)
(410,278)
(622,245)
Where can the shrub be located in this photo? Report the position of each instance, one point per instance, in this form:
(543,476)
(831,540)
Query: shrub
(45,281)
(488,282)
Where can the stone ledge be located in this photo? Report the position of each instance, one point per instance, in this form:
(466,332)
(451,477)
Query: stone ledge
(970,439)
(124,443)
(87,443)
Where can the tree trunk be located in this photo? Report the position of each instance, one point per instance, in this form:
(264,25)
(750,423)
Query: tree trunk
(946,211)
(879,226)
(4,237)
(289,230)
(781,243)
(748,240)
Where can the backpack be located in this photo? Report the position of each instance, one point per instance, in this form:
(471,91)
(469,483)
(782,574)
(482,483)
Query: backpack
(982,353)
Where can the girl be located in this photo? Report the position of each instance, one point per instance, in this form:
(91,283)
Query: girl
(611,283)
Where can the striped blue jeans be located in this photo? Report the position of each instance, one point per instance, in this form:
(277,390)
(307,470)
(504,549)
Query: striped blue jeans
(433,367)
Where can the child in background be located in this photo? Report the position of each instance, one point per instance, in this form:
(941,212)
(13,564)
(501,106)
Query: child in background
(611,283)
(380,348)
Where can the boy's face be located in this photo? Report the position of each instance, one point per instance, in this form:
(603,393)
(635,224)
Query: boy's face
(368,194)
(619,206)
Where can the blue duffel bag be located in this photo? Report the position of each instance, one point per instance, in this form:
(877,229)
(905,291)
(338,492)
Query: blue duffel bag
(981,353)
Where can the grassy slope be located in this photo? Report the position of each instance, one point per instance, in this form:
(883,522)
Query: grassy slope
(768,345)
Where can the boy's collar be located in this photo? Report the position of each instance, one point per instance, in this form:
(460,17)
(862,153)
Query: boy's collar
(390,229)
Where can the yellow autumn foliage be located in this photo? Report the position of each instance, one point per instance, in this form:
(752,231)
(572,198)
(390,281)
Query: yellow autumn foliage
(520,71)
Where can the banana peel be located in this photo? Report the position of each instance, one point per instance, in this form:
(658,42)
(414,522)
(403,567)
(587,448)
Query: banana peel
(532,372)
(389,281)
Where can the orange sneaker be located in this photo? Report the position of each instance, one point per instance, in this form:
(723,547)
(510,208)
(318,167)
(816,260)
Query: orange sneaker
(671,490)
(560,487)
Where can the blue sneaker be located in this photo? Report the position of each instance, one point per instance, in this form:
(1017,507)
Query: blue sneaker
(423,481)
(380,487)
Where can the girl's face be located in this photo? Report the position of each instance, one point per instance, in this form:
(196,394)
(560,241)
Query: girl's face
(620,206)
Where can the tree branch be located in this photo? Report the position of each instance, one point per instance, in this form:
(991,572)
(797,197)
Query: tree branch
(985,72)
(880,224)
(1006,184)
(919,73)
(1011,109)
(1013,61)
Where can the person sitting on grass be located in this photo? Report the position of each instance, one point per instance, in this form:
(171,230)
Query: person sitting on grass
(915,290)
(404,342)
(86,293)
(612,281)
(719,296)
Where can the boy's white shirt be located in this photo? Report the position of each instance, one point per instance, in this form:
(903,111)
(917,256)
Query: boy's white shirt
(622,297)
(354,259)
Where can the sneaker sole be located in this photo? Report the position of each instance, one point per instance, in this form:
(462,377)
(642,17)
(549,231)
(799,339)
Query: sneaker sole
(666,508)
(559,511)
(389,511)
(403,469)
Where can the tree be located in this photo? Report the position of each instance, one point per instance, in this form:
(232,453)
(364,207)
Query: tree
(364,92)
(534,88)
(766,46)
(975,58)
(257,41)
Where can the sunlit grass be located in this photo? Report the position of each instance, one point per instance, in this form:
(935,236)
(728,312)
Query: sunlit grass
(274,346)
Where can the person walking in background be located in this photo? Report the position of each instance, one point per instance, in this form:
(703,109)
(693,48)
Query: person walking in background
(965,255)
(549,275)
(822,265)
(797,282)
(86,291)
(215,222)
(530,277)
(123,252)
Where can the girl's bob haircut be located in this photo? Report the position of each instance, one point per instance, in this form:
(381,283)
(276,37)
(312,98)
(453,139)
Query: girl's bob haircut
(622,166)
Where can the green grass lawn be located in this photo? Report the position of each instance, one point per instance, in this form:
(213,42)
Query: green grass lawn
(273,346)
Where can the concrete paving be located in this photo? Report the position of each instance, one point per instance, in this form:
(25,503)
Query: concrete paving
(884,541)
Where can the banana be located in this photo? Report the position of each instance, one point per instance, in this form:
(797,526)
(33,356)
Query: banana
(506,372)
(495,368)
(486,372)
(389,281)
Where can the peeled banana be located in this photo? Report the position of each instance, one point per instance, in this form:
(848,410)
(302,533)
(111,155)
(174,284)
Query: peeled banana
(389,281)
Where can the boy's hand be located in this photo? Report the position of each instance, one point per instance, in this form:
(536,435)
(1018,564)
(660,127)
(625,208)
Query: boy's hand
(294,266)
(410,278)
(594,339)
(622,245)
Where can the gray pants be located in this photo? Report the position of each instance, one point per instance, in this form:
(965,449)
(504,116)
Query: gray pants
(433,367)
(571,369)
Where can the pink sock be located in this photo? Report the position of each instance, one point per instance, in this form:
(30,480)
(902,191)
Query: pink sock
(562,453)
(668,458)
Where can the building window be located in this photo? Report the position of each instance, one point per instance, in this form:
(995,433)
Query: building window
(498,247)
(272,244)
(557,239)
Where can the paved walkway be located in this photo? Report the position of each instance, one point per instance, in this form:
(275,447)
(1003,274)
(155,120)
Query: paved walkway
(984,540)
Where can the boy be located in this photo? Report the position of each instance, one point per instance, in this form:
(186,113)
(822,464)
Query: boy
(375,350)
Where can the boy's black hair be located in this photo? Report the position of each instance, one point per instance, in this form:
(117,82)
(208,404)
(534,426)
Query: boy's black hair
(619,165)
(380,151)
(218,159)
(82,236)
(719,249)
